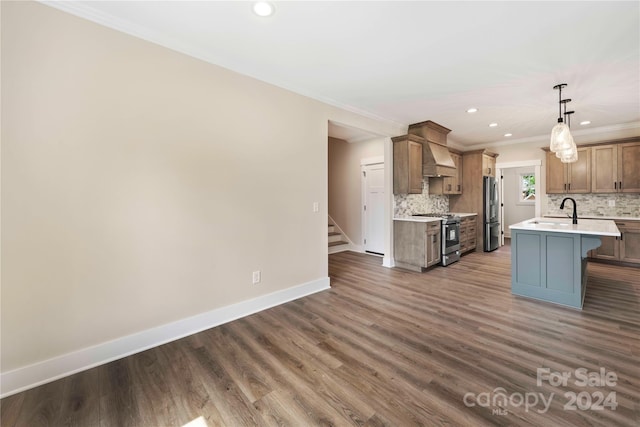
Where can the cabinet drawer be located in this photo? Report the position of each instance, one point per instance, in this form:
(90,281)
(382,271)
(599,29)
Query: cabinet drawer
(433,225)
(629,225)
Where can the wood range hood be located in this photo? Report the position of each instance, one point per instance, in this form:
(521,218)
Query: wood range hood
(436,160)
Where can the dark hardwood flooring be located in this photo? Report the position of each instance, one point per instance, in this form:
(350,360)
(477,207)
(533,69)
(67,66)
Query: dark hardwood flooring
(382,347)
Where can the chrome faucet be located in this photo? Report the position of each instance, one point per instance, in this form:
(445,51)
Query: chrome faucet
(575,209)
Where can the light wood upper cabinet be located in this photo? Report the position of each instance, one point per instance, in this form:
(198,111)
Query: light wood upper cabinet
(569,177)
(407,165)
(629,167)
(556,175)
(488,165)
(453,185)
(579,172)
(615,168)
(604,169)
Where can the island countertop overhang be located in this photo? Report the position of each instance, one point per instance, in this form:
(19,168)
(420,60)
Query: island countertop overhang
(594,227)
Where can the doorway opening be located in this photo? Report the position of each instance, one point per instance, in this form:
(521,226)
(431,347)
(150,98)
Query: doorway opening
(519,193)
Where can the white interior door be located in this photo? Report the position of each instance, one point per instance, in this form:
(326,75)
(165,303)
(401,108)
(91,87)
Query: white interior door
(373,208)
(501,200)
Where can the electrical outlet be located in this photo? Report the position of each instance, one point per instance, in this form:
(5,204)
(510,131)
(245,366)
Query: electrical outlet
(316,207)
(612,203)
(256,277)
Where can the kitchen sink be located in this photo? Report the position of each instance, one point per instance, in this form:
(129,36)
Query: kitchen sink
(562,224)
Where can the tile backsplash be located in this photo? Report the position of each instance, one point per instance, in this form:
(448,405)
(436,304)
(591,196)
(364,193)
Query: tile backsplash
(409,204)
(596,204)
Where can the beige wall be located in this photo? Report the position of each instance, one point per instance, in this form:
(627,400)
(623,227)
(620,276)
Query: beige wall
(345,184)
(141,186)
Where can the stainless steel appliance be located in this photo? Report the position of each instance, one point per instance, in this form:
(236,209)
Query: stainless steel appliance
(491,219)
(450,237)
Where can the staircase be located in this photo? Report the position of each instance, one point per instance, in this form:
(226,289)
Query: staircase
(337,241)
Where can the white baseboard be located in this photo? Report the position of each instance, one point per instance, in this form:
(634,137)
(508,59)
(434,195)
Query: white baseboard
(387,261)
(30,376)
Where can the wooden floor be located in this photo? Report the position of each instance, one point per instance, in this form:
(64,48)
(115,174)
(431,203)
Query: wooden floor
(382,347)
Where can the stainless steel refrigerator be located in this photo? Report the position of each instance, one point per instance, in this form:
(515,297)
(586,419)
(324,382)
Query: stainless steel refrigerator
(491,214)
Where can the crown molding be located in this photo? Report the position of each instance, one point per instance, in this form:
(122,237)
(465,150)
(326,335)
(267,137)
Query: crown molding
(545,138)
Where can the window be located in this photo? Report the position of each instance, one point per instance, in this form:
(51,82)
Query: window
(527,188)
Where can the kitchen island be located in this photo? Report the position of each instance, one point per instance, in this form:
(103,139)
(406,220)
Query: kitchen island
(549,257)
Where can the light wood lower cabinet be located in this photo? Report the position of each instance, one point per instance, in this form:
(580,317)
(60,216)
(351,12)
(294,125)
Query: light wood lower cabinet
(468,228)
(433,244)
(416,245)
(629,241)
(625,248)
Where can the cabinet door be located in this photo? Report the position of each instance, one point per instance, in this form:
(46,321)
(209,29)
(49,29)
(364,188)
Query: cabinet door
(457,179)
(464,236)
(630,242)
(579,172)
(604,169)
(488,165)
(556,175)
(629,167)
(453,184)
(415,167)
(433,247)
(608,250)
(407,167)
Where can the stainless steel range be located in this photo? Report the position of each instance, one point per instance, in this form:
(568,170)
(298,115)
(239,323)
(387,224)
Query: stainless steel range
(450,237)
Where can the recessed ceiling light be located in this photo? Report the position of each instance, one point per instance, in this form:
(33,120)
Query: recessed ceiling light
(472,110)
(263,8)
(492,125)
(508,134)
(586,122)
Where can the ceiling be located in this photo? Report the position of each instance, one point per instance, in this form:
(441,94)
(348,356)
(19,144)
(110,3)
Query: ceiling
(408,62)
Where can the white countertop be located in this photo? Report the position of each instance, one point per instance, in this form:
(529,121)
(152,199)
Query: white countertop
(615,218)
(428,218)
(462,215)
(417,218)
(596,227)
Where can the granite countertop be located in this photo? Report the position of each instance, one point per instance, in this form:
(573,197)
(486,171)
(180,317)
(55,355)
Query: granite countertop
(596,227)
(615,218)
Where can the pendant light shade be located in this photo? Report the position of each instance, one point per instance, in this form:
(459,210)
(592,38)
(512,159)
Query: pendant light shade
(561,139)
(568,156)
(562,142)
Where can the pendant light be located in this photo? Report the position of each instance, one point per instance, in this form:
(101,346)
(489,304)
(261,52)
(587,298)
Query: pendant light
(561,139)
